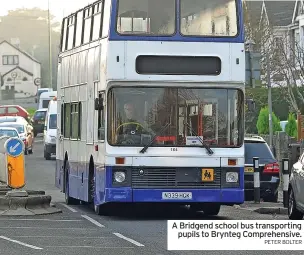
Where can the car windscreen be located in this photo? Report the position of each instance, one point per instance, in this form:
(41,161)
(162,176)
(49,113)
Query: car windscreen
(39,115)
(260,150)
(9,133)
(8,120)
(20,128)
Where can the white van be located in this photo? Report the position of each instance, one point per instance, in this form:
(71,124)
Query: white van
(50,130)
(45,98)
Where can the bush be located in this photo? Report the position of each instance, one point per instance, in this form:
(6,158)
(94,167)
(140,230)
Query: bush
(263,122)
(291,128)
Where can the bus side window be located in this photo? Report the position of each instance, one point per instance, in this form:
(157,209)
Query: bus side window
(101,119)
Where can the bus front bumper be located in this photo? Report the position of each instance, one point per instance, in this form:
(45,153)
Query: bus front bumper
(183,196)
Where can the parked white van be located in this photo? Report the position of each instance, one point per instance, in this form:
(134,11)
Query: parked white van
(45,98)
(50,130)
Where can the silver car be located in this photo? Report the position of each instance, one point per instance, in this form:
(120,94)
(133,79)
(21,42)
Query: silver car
(296,191)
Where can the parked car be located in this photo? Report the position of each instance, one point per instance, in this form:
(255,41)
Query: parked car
(9,131)
(296,190)
(17,119)
(38,121)
(256,146)
(25,133)
(14,110)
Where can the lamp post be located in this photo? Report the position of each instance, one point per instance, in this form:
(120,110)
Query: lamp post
(50,48)
(269,102)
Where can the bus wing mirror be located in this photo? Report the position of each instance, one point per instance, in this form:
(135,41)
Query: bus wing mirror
(98,104)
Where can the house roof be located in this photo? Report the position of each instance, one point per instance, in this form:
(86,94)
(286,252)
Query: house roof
(20,68)
(278,13)
(21,51)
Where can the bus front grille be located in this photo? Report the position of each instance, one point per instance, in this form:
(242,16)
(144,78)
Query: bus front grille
(145,178)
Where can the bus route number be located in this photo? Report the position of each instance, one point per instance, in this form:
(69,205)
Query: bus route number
(173,149)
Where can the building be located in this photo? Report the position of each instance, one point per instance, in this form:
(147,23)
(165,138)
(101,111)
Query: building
(19,72)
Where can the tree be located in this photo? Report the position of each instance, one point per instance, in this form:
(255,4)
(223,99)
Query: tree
(263,122)
(291,127)
(31,27)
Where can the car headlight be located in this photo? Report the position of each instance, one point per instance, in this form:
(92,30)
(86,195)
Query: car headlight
(232,177)
(119,176)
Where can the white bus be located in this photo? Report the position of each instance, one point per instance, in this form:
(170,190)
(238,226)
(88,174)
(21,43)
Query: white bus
(151,110)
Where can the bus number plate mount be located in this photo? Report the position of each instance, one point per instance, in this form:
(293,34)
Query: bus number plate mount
(177,195)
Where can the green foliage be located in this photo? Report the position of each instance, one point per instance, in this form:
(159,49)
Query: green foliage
(291,127)
(31,111)
(263,122)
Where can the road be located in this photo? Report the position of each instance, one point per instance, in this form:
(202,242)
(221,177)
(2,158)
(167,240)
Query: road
(79,231)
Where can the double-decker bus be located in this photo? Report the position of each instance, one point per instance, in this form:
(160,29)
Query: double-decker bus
(151,104)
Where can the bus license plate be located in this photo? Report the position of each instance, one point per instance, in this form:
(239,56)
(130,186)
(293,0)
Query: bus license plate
(177,195)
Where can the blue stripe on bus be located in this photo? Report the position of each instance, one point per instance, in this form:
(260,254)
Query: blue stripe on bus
(106,193)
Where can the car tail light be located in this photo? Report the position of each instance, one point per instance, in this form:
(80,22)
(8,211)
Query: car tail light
(272,168)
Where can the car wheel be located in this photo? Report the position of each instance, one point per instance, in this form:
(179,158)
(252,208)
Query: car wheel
(47,155)
(293,212)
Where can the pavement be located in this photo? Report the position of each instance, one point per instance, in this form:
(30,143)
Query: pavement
(77,230)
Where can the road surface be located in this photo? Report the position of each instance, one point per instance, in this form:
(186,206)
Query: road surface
(79,231)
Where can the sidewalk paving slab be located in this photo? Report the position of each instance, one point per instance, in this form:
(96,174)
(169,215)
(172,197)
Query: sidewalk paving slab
(263,207)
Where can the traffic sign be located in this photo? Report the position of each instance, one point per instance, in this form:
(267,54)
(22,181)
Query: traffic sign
(14,75)
(14,147)
(15,171)
(37,82)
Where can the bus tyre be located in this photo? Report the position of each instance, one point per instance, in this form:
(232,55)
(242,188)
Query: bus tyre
(68,200)
(293,212)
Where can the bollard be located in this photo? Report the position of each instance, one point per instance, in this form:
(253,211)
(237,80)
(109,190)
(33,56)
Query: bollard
(285,164)
(15,164)
(256,180)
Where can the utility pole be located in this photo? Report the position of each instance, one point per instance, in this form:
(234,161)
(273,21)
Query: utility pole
(269,102)
(50,48)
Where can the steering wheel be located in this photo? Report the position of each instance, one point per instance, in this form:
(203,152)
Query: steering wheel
(130,123)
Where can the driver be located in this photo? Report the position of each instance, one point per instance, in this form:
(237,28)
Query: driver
(130,126)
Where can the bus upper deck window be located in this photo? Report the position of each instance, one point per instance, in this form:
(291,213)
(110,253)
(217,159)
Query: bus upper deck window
(146,17)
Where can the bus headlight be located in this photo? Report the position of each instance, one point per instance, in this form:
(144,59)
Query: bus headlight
(232,177)
(119,176)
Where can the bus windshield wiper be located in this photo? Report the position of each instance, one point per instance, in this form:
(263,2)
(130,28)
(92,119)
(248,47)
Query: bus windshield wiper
(209,151)
(143,150)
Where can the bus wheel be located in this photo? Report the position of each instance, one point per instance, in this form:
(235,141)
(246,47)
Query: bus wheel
(101,210)
(68,200)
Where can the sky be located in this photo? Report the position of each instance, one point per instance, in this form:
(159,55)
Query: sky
(59,8)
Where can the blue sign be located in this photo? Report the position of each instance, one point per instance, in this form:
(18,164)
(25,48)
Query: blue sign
(14,147)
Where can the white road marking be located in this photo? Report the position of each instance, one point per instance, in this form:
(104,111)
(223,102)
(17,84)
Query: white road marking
(47,228)
(93,247)
(67,237)
(68,207)
(128,239)
(21,243)
(93,221)
(39,220)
